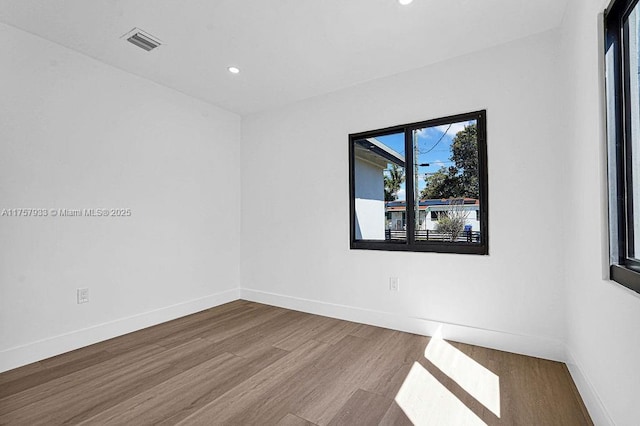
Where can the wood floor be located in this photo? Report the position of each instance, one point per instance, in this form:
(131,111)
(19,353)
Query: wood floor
(250,364)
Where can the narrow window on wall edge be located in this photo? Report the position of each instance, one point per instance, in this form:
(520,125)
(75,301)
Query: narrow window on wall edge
(421,186)
(622,63)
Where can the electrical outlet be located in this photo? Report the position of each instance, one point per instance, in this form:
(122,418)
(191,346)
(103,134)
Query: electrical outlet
(394,284)
(83,295)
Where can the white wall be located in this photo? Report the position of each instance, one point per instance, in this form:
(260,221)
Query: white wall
(603,317)
(75,133)
(369,203)
(299,153)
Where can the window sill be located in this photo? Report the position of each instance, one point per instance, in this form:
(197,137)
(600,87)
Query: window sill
(626,277)
(458,248)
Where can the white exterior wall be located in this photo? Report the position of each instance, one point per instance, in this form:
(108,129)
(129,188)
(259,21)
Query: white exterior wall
(369,189)
(471,220)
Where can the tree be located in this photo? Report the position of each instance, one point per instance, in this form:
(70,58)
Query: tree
(445,183)
(464,152)
(461,180)
(393,182)
(452,221)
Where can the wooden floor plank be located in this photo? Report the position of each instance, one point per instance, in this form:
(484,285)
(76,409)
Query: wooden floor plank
(398,352)
(314,326)
(395,417)
(264,334)
(111,385)
(365,408)
(54,389)
(293,420)
(247,363)
(169,398)
(227,380)
(333,379)
(46,374)
(267,392)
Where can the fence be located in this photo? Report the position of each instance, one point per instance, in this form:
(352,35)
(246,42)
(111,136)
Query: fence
(427,235)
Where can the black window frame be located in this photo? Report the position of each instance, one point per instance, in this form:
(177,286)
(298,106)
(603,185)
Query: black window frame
(623,269)
(479,248)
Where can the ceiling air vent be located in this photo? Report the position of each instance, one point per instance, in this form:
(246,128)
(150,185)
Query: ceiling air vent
(142,39)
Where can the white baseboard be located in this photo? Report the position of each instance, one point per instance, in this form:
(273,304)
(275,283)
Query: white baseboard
(590,397)
(540,347)
(42,349)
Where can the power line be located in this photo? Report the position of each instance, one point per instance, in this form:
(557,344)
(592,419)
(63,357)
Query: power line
(439,140)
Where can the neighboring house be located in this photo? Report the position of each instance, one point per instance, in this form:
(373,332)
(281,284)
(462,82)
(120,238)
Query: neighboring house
(429,213)
(371,159)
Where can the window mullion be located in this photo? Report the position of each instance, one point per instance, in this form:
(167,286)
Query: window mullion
(410,186)
(627,166)
(484,178)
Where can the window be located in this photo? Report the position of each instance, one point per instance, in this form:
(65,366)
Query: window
(421,186)
(623,133)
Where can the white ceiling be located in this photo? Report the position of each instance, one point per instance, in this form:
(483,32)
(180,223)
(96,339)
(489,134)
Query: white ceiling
(287,49)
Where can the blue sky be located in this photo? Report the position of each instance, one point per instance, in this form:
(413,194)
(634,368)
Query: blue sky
(434,148)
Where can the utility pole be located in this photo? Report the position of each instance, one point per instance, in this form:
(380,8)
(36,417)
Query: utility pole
(416,177)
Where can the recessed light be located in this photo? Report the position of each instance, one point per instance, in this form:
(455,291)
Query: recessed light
(405,2)
(233,70)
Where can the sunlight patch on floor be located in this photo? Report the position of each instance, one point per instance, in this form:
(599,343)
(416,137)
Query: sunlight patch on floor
(425,401)
(478,381)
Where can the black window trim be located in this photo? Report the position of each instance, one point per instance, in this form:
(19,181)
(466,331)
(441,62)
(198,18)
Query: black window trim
(410,244)
(623,270)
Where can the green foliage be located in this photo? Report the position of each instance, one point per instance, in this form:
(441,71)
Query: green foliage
(461,180)
(464,152)
(393,182)
(445,183)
